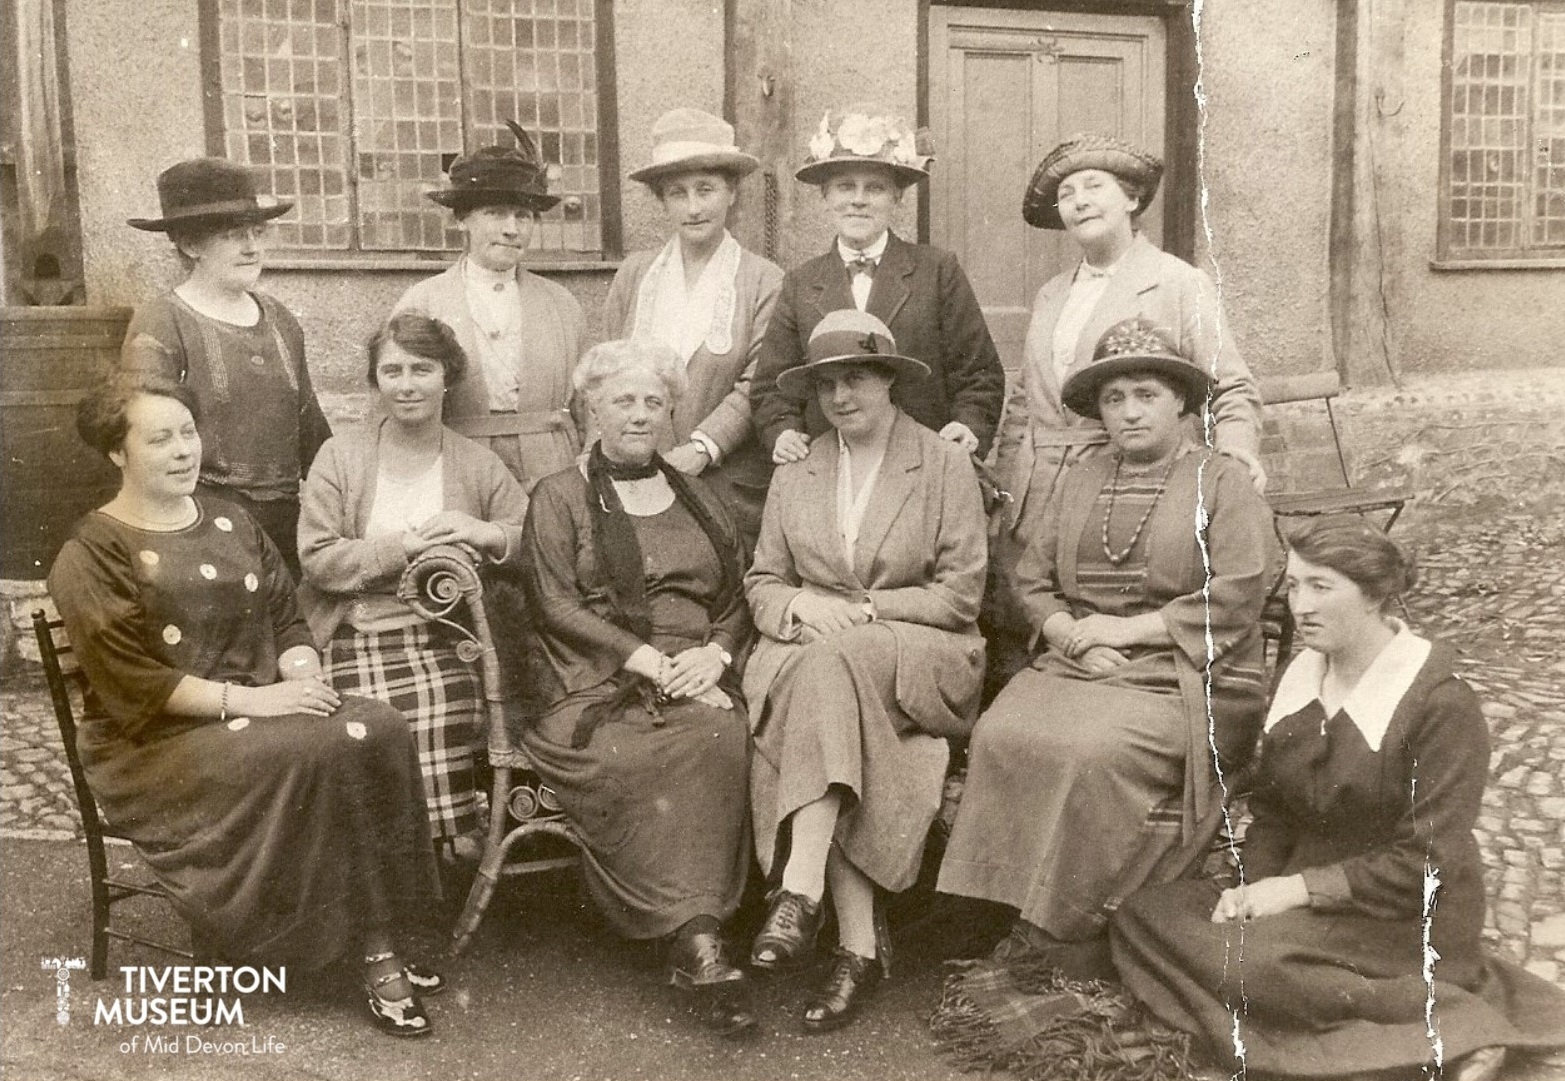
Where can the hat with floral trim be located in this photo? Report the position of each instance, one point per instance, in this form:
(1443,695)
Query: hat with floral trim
(1133,347)
(866,135)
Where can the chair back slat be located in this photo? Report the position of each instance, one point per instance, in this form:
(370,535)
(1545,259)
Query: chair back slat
(62,672)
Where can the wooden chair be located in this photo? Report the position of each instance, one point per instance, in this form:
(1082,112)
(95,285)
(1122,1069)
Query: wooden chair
(438,585)
(1315,502)
(62,672)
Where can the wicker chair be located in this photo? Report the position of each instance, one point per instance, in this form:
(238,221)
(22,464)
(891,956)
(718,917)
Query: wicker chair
(440,585)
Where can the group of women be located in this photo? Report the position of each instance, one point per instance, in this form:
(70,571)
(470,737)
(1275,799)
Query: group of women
(751,559)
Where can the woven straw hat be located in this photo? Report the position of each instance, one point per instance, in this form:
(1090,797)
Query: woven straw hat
(1090,150)
(866,134)
(690,140)
(848,336)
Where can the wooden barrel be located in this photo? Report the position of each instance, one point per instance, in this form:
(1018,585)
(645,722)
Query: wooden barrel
(48,477)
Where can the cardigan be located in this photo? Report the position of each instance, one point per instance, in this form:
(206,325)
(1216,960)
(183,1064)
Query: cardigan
(339,563)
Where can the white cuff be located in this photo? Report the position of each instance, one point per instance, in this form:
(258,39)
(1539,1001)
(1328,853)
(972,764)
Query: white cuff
(712,453)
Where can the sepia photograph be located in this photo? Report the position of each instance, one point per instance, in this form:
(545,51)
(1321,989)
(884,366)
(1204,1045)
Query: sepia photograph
(782,540)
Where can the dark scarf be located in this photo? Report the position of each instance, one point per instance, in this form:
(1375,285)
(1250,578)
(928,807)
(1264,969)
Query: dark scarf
(624,570)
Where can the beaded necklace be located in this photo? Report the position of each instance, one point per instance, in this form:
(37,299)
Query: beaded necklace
(1115,559)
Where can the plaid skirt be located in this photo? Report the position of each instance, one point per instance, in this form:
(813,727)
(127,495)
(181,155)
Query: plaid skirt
(417,671)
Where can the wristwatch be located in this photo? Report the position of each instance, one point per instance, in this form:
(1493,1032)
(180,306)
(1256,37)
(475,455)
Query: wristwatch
(723,655)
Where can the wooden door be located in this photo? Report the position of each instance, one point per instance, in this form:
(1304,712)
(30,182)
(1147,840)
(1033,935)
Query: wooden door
(1004,88)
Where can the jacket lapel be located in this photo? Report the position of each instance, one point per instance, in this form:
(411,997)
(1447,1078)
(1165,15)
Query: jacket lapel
(828,283)
(819,494)
(470,397)
(1051,306)
(899,474)
(1136,275)
(891,290)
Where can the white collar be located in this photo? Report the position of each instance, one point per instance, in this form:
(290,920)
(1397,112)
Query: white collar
(874,251)
(482,275)
(1373,699)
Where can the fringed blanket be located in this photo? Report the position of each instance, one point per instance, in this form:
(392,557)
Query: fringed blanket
(1034,1023)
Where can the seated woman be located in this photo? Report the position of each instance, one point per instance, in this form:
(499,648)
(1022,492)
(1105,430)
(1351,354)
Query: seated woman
(1092,772)
(633,574)
(866,587)
(1352,944)
(375,499)
(285,820)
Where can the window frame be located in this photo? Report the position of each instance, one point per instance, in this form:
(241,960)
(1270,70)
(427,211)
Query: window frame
(1524,257)
(293,258)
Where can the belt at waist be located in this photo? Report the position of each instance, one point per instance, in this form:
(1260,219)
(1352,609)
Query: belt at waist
(536,423)
(1069,437)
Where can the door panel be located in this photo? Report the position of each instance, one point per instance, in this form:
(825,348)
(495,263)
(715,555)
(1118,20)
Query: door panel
(1004,88)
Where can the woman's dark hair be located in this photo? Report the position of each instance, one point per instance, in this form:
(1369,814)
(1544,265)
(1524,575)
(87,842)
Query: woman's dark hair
(102,417)
(1359,551)
(420,335)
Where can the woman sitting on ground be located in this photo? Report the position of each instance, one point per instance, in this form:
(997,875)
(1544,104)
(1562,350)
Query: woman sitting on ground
(375,499)
(866,587)
(633,575)
(1353,943)
(285,820)
(1092,772)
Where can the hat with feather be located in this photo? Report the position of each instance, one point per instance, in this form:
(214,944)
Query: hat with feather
(499,176)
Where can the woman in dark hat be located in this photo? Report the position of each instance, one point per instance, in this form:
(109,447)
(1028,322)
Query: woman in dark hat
(1095,188)
(709,300)
(238,349)
(865,590)
(1093,771)
(863,160)
(521,332)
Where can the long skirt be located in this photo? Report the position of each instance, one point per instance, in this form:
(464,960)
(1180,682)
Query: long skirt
(282,840)
(1072,801)
(832,720)
(417,671)
(1317,994)
(659,802)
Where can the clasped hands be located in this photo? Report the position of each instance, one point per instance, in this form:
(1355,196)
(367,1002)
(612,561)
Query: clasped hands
(1095,642)
(455,527)
(819,613)
(1268,897)
(692,673)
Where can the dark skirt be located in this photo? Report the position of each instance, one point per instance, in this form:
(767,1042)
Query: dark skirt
(658,801)
(1317,994)
(282,840)
(417,671)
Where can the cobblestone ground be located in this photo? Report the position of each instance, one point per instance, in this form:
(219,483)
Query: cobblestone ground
(1496,589)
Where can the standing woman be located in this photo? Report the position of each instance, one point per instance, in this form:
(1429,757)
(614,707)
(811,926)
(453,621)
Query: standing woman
(377,498)
(523,332)
(709,300)
(863,161)
(239,350)
(1095,188)
(865,589)
(1353,945)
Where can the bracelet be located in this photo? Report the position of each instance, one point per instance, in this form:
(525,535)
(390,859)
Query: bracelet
(222,714)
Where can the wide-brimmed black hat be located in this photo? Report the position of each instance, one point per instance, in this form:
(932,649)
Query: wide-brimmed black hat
(848,336)
(1090,150)
(209,191)
(499,176)
(1129,347)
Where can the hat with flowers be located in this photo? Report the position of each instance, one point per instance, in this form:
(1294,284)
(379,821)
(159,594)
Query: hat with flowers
(867,135)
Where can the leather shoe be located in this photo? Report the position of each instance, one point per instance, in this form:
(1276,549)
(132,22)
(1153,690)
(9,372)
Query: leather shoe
(841,997)
(698,965)
(787,938)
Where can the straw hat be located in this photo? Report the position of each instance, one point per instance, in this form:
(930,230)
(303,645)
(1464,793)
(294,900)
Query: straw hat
(1132,346)
(864,134)
(211,191)
(848,336)
(499,176)
(690,140)
(1091,150)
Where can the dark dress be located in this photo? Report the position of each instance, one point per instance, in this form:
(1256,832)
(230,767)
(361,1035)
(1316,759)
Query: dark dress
(659,798)
(260,421)
(1383,838)
(280,839)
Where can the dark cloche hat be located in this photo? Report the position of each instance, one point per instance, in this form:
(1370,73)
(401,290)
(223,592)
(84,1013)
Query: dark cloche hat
(848,336)
(1090,150)
(499,176)
(1130,346)
(211,191)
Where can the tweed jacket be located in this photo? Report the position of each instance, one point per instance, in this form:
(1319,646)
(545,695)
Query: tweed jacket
(920,559)
(923,296)
(1177,298)
(550,438)
(718,398)
(339,563)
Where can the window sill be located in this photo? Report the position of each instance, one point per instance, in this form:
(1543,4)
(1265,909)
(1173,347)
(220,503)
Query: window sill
(282,261)
(1542,262)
